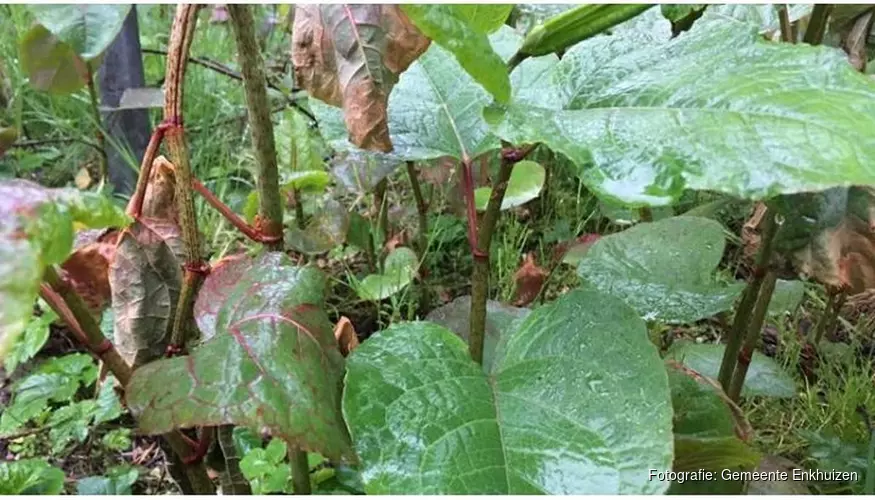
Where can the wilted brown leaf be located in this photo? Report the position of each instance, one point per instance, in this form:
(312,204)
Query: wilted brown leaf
(832,239)
(351,55)
(529,279)
(145,277)
(87,269)
(159,201)
(347,339)
(854,38)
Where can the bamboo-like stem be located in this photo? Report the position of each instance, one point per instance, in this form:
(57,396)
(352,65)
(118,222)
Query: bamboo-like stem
(236,482)
(753,335)
(270,206)
(421,207)
(480,274)
(817,24)
(645,214)
(300,471)
(786,27)
(238,222)
(748,299)
(73,310)
(95,113)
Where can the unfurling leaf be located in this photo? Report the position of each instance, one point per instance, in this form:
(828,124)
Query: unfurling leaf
(145,277)
(272,364)
(350,56)
(529,280)
(36,230)
(347,339)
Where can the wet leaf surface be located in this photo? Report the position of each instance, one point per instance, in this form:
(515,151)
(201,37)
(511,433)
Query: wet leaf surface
(273,364)
(501,320)
(655,116)
(463,30)
(710,431)
(664,269)
(764,376)
(426,419)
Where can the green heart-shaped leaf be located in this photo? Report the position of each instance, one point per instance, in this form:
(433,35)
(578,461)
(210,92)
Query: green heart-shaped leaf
(426,419)
(525,184)
(399,269)
(664,269)
(88,29)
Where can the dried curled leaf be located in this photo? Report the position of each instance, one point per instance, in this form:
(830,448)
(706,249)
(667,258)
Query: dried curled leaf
(529,279)
(347,339)
(830,236)
(350,56)
(145,276)
(87,269)
(159,201)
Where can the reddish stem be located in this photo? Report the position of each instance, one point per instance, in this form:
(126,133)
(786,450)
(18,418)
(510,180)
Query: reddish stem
(135,206)
(467,180)
(235,220)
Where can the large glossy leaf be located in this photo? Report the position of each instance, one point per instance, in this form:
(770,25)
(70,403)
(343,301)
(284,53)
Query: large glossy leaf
(764,376)
(350,55)
(645,117)
(501,320)
(51,65)
(224,275)
(36,230)
(87,28)
(462,29)
(525,184)
(273,364)
(663,269)
(145,276)
(710,431)
(425,419)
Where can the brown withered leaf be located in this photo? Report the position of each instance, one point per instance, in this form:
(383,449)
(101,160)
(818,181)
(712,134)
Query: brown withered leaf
(854,38)
(829,236)
(159,201)
(350,56)
(347,339)
(87,268)
(145,277)
(529,279)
